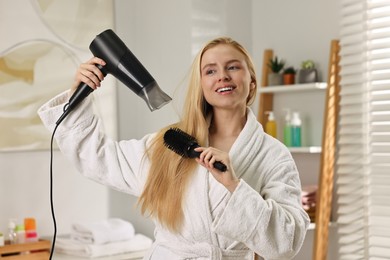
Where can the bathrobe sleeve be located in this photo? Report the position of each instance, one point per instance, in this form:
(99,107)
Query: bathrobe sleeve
(265,212)
(119,165)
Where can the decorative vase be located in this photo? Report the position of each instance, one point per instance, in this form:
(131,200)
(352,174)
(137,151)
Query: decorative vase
(307,76)
(275,79)
(288,79)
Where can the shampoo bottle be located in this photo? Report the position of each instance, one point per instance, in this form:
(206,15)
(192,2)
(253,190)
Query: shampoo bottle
(296,125)
(287,130)
(270,126)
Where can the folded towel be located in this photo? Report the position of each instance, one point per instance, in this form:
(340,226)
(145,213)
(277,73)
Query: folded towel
(69,246)
(104,231)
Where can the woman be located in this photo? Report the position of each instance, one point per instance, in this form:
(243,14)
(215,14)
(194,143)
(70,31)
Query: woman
(199,212)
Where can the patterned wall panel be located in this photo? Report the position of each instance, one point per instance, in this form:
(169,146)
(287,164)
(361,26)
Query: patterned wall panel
(42,44)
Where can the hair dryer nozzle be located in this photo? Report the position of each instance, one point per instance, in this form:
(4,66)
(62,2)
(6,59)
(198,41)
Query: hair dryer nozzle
(154,97)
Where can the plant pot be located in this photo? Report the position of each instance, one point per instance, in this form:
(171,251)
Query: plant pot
(275,79)
(288,79)
(307,76)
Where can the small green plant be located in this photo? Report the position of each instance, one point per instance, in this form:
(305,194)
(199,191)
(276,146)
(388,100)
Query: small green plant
(290,70)
(307,64)
(276,65)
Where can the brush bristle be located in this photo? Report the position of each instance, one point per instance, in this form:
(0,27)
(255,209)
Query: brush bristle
(178,141)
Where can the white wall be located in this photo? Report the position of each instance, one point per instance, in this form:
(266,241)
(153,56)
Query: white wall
(296,30)
(31,30)
(24,192)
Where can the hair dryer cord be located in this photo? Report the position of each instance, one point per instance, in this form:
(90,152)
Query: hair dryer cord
(51,194)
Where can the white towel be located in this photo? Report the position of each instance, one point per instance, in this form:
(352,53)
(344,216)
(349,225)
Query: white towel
(139,243)
(103,231)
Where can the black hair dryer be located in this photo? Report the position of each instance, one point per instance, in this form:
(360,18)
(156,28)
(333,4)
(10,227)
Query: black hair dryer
(123,65)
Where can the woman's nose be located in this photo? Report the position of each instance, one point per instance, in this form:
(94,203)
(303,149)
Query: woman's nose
(224,76)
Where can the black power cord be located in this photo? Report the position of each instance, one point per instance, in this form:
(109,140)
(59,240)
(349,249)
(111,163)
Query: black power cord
(51,195)
(51,187)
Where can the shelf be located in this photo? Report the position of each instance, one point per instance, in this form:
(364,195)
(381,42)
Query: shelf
(312,226)
(293,88)
(309,149)
(25,251)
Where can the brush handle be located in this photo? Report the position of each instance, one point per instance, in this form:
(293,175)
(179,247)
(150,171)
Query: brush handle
(217,165)
(220,166)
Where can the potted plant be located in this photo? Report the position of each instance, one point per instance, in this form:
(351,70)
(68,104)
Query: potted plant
(308,72)
(275,77)
(289,76)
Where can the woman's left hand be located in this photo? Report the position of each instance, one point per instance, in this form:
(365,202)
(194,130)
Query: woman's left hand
(208,156)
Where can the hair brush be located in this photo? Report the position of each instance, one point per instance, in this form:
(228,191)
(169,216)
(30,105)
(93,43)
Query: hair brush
(184,145)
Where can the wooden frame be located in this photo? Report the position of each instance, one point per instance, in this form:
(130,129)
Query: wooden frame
(328,156)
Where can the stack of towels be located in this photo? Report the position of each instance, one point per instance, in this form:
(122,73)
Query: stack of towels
(109,237)
(309,198)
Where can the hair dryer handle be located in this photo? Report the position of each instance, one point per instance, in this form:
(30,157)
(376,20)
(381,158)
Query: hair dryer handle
(82,91)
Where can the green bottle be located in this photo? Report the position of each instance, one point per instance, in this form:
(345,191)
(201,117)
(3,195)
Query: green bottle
(296,124)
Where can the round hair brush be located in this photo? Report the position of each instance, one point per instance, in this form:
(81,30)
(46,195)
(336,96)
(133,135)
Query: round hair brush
(184,145)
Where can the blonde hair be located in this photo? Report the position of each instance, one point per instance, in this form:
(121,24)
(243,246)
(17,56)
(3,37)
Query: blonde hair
(169,173)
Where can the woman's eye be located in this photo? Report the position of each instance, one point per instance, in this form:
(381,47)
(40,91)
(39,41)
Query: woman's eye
(210,71)
(233,67)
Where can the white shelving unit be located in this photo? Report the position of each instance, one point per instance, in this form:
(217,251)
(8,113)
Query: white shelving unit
(294,88)
(319,109)
(308,149)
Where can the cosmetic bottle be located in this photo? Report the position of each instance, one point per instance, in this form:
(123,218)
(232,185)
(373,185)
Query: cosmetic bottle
(296,125)
(287,130)
(31,230)
(11,235)
(270,126)
(20,234)
(2,241)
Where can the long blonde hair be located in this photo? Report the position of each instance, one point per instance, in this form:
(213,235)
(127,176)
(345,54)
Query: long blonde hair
(169,173)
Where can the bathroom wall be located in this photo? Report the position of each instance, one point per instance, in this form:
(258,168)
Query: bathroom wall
(43,42)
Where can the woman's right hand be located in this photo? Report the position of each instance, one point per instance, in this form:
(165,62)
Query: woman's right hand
(89,74)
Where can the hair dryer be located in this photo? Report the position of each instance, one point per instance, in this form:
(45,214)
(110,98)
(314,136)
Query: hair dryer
(123,65)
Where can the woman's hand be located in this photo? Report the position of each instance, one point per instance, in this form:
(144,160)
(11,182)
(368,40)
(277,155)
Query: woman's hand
(208,157)
(89,74)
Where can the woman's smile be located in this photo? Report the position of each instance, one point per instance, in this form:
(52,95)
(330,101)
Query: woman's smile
(225,90)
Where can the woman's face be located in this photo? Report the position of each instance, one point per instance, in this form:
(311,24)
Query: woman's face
(225,77)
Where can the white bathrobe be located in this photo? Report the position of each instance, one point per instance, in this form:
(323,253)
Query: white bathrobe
(263,215)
